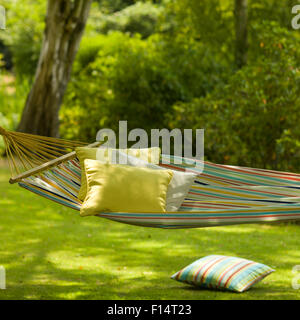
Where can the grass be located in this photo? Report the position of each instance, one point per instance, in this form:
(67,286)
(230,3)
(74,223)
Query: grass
(49,252)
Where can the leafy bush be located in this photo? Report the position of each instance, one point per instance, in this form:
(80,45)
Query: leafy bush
(137,18)
(118,77)
(109,6)
(211,22)
(253,120)
(271,10)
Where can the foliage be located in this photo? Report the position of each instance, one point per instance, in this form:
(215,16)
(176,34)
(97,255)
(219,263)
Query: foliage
(263,12)
(213,22)
(5,56)
(171,64)
(253,120)
(12,98)
(110,6)
(137,18)
(117,75)
(271,10)
(23,35)
(210,22)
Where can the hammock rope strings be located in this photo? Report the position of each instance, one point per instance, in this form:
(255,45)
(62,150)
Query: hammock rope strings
(25,151)
(221,195)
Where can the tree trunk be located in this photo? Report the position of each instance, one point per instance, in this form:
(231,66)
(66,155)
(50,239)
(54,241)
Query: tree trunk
(241,29)
(65,23)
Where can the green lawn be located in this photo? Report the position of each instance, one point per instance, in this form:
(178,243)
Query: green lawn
(49,252)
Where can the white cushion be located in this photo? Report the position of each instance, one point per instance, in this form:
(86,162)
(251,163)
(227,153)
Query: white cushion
(178,187)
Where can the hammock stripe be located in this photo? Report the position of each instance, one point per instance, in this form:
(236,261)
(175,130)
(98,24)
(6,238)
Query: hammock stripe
(221,195)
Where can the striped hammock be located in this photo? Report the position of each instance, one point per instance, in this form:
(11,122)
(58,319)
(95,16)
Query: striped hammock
(221,195)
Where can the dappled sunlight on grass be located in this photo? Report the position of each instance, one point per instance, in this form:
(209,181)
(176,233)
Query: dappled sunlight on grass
(50,252)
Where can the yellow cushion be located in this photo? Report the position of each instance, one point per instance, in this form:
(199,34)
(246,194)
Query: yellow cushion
(104,155)
(122,188)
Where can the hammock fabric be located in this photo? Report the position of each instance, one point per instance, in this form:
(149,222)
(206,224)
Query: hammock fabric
(221,195)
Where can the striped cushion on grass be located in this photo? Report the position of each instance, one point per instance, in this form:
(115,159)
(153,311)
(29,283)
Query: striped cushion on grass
(223,272)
